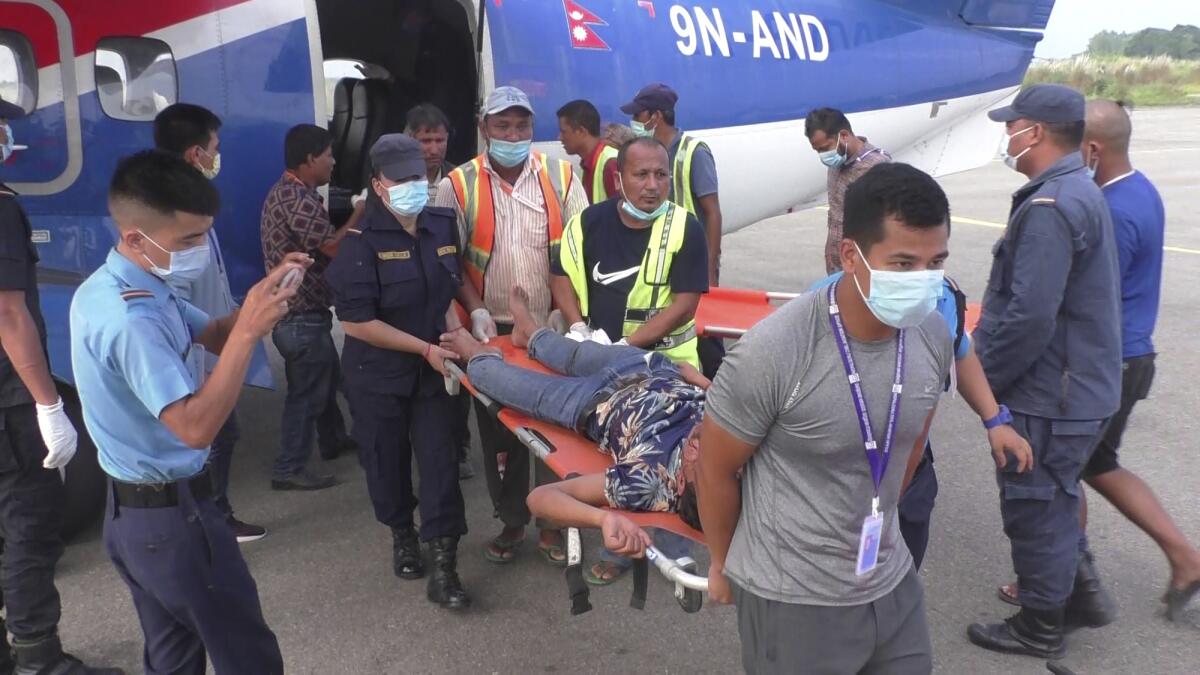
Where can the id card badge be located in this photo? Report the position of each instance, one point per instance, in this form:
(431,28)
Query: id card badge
(868,544)
(196,363)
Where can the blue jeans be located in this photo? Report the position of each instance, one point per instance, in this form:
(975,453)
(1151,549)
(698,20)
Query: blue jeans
(590,372)
(311,365)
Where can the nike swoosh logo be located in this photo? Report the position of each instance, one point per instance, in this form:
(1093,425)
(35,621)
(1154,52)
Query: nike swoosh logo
(612,277)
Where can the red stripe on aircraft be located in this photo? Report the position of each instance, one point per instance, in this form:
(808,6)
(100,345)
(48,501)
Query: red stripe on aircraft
(91,20)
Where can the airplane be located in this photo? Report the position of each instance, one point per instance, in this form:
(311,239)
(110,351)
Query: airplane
(916,77)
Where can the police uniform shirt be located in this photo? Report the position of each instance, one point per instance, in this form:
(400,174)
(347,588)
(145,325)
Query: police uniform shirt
(1049,336)
(18,272)
(383,272)
(612,255)
(130,340)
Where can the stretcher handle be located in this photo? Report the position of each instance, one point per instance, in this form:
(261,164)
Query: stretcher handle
(776,295)
(724,331)
(674,572)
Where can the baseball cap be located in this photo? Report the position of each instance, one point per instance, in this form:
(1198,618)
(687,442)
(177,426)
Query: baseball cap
(656,96)
(503,98)
(1049,103)
(397,157)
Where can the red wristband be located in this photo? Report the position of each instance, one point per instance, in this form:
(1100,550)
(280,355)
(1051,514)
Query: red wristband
(428,348)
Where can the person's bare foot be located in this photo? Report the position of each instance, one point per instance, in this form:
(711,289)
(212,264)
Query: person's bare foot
(523,324)
(460,342)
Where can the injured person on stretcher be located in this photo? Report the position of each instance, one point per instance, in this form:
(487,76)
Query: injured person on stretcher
(640,407)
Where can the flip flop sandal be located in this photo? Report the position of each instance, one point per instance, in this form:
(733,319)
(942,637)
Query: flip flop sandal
(1003,593)
(553,554)
(1178,598)
(594,579)
(504,546)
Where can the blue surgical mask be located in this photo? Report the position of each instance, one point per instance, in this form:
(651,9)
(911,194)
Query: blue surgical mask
(1092,168)
(640,130)
(834,158)
(408,199)
(509,154)
(185,266)
(638,214)
(902,299)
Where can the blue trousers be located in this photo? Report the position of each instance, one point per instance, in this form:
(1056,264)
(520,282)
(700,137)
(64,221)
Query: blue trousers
(191,588)
(916,508)
(390,430)
(220,461)
(1040,508)
(313,372)
(589,371)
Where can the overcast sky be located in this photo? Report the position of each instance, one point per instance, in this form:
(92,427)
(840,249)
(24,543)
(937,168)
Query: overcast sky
(1074,22)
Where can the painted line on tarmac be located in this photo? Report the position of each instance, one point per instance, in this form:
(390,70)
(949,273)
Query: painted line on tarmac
(1001,226)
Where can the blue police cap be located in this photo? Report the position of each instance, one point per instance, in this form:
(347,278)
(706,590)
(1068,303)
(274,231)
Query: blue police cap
(397,157)
(1049,103)
(656,96)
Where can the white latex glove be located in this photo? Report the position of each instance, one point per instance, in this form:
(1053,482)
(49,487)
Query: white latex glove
(600,337)
(622,342)
(483,327)
(358,198)
(58,433)
(582,330)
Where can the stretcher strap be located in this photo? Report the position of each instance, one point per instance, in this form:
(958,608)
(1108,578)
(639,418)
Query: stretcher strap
(575,584)
(641,578)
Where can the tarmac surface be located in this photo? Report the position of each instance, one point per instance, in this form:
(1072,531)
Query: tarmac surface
(324,571)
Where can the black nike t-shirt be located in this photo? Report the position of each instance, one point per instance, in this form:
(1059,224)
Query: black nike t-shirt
(612,256)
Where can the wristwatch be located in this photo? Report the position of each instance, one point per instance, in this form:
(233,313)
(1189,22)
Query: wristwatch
(1002,417)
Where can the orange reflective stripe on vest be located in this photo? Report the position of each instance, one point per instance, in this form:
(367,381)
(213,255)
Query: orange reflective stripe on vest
(473,190)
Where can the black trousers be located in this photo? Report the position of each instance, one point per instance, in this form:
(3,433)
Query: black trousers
(390,430)
(30,524)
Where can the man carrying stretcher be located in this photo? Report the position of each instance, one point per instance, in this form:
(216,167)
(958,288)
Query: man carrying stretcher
(638,406)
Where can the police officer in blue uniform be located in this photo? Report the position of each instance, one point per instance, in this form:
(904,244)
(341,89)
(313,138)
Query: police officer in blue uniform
(393,280)
(1050,342)
(36,441)
(138,353)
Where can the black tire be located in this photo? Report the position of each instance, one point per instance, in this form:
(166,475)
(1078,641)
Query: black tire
(83,503)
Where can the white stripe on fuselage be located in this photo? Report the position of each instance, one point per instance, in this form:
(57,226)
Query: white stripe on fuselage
(766,169)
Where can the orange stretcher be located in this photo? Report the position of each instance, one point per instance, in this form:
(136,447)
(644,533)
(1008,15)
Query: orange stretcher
(723,312)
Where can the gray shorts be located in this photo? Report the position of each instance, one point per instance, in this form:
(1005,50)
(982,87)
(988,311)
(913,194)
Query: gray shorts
(888,636)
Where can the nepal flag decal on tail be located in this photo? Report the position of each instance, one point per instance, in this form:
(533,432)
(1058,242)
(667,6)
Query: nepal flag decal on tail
(579,25)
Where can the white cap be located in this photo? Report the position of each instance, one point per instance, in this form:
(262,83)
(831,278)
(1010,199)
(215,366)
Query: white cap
(503,98)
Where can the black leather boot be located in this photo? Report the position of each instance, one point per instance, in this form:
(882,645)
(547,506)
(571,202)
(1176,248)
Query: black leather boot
(445,588)
(1090,605)
(6,659)
(1033,632)
(46,657)
(407,561)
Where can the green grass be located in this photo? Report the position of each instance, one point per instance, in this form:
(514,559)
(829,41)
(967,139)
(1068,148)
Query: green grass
(1156,81)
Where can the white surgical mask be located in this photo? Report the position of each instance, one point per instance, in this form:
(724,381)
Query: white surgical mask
(640,130)
(185,266)
(901,299)
(1011,160)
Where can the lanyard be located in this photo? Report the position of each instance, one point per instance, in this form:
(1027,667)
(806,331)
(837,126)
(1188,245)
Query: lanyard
(876,458)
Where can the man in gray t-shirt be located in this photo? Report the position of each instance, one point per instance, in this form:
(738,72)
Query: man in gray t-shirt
(782,407)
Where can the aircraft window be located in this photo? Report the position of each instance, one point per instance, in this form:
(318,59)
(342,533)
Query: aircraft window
(18,71)
(135,77)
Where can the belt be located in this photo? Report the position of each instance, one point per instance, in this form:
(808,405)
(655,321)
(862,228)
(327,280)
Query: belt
(160,495)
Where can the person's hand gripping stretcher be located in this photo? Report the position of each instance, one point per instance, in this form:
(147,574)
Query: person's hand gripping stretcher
(637,406)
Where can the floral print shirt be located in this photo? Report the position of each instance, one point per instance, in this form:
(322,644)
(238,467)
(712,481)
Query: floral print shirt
(644,426)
